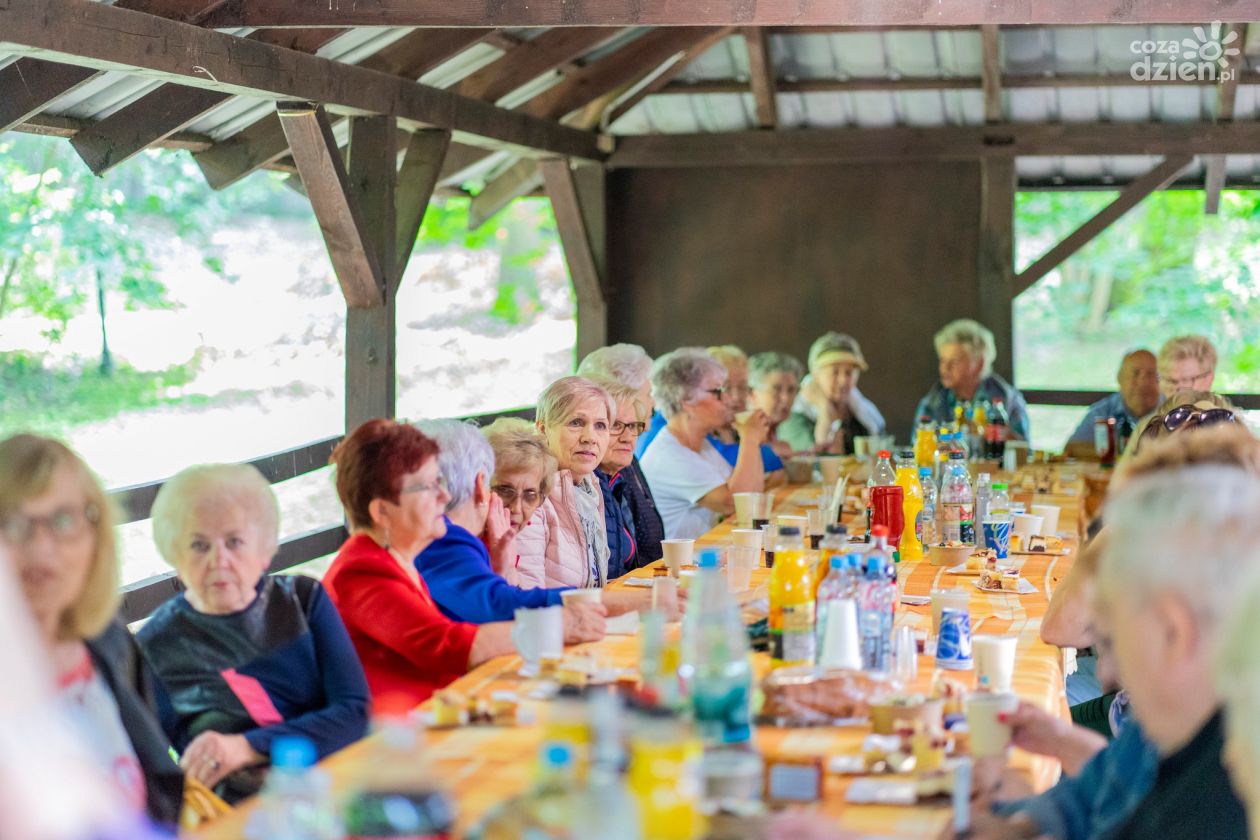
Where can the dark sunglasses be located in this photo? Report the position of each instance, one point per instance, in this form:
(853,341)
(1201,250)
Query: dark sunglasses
(1187,417)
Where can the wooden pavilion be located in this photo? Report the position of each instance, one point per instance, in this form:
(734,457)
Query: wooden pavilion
(756,171)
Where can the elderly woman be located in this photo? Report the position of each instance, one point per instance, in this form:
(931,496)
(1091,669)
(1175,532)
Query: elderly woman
(57,524)
(243,657)
(1179,412)
(394,497)
(1186,363)
(628,423)
(631,366)
(692,481)
(470,570)
(571,548)
(966,351)
(775,380)
(830,411)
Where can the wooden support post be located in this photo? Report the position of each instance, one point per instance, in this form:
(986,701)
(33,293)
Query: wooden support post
(1158,178)
(1226,96)
(997,257)
(991,72)
(762,76)
(578,203)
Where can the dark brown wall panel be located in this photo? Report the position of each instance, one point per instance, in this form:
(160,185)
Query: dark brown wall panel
(770,258)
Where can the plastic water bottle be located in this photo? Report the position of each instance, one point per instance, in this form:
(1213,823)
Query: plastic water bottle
(957,502)
(984,496)
(876,611)
(295,801)
(927,517)
(834,587)
(1000,504)
(944,445)
(714,662)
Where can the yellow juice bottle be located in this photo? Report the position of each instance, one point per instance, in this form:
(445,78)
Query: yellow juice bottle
(925,446)
(664,777)
(912,506)
(792,639)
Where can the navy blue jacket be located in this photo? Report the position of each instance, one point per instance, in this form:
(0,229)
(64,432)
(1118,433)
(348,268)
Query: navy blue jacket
(457,570)
(623,549)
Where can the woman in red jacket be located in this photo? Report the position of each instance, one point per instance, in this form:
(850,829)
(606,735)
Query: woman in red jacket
(395,500)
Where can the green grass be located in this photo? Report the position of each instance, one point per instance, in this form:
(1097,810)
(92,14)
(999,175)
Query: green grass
(57,399)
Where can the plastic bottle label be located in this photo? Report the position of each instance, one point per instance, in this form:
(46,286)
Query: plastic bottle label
(795,641)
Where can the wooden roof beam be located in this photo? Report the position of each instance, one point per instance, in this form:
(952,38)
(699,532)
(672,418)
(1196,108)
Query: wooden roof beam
(1158,178)
(416,53)
(1226,96)
(991,72)
(29,85)
(761,75)
(662,80)
(794,13)
(549,51)
(735,86)
(103,37)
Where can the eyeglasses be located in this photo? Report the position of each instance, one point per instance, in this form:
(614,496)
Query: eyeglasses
(436,487)
(509,494)
(63,525)
(717,392)
(634,428)
(1186,417)
(1185,381)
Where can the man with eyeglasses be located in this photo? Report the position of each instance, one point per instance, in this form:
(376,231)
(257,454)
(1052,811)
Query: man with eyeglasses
(1186,363)
(1138,394)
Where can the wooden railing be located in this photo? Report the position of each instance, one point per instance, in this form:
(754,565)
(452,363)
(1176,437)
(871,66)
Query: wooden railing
(141,598)
(1044,397)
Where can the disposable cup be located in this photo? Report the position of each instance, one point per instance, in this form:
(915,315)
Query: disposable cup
(840,644)
(830,467)
(677,554)
(1026,525)
(742,560)
(989,737)
(664,592)
(1050,517)
(995,661)
(816,521)
(748,536)
(954,599)
(746,505)
(591,595)
(785,520)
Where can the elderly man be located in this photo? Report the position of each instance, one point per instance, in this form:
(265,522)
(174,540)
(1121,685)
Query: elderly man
(830,411)
(1138,381)
(965,351)
(1186,363)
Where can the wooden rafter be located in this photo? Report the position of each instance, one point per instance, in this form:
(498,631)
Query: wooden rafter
(418,52)
(1226,96)
(350,247)
(421,169)
(521,178)
(826,145)
(619,68)
(794,13)
(762,77)
(28,85)
(662,79)
(991,72)
(550,50)
(1156,179)
(100,36)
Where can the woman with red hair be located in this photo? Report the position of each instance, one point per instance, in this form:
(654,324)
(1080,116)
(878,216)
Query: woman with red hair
(395,500)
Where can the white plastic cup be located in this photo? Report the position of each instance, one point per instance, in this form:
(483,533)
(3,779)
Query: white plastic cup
(664,592)
(1050,517)
(954,599)
(1025,525)
(829,466)
(989,737)
(677,554)
(816,521)
(742,559)
(840,647)
(590,595)
(538,633)
(792,520)
(905,655)
(767,505)
(994,657)
(746,505)
(747,536)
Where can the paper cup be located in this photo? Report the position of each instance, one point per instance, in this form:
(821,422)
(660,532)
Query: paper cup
(830,466)
(840,644)
(742,560)
(863,446)
(995,661)
(954,599)
(677,554)
(997,536)
(538,634)
(746,505)
(989,738)
(753,537)
(816,521)
(786,520)
(1050,515)
(1025,525)
(592,595)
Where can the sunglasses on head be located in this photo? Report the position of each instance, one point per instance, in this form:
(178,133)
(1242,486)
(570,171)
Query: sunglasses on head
(1187,417)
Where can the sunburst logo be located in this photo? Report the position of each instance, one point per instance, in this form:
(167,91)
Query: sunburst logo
(1208,45)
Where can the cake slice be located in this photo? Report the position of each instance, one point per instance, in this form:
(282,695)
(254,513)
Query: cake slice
(1010,580)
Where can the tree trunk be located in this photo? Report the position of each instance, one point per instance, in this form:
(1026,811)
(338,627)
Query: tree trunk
(107,359)
(1099,300)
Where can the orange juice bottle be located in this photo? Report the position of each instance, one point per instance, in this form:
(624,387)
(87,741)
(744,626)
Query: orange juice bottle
(925,445)
(792,639)
(665,778)
(912,505)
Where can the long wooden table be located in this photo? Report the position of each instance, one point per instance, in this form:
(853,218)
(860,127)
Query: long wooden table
(483,765)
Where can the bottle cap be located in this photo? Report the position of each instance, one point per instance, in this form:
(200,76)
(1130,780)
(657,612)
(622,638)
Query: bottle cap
(955,455)
(708,559)
(837,529)
(789,531)
(556,754)
(925,470)
(884,453)
(836,561)
(879,531)
(1001,485)
(873,564)
(292,752)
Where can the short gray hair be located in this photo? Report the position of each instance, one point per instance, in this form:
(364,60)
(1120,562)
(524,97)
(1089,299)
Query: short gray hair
(972,335)
(677,375)
(1191,530)
(767,364)
(463,453)
(242,483)
(1195,347)
(628,364)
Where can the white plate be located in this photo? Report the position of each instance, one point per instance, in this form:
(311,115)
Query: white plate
(961,569)
(868,791)
(643,582)
(1025,588)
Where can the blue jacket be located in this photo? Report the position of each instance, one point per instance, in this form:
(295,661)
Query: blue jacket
(623,550)
(730,451)
(457,570)
(1099,798)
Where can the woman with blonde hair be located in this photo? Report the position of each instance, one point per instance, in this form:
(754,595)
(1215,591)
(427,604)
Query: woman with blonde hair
(58,525)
